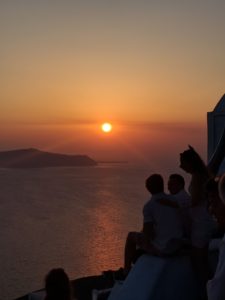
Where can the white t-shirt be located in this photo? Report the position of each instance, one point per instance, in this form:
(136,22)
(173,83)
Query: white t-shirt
(167,224)
(216,286)
(182,198)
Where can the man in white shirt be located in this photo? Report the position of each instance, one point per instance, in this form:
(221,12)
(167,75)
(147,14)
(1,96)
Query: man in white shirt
(180,199)
(216,286)
(162,227)
(176,187)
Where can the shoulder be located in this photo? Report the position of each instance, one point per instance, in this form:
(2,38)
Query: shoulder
(148,205)
(184,194)
(159,196)
(152,203)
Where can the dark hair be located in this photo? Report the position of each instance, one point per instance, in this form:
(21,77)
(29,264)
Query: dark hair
(155,184)
(212,185)
(178,178)
(57,285)
(193,158)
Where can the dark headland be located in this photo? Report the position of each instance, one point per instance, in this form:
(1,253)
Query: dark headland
(34,158)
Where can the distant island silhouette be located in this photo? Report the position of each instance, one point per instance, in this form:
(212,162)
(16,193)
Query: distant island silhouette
(34,158)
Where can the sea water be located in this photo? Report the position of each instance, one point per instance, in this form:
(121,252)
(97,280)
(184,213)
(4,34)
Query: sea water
(74,218)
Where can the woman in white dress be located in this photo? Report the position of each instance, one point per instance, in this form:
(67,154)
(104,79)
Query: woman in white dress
(202,223)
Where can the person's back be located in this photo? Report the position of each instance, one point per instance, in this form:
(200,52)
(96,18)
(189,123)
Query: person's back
(167,224)
(178,194)
(166,220)
(162,228)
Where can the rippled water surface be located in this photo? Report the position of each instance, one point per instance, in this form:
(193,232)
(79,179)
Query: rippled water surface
(75,218)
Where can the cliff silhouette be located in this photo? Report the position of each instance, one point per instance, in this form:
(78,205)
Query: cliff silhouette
(34,158)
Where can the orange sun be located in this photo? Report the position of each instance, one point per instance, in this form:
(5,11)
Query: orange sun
(106,127)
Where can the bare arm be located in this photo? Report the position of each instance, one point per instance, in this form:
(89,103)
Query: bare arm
(218,155)
(197,189)
(168,202)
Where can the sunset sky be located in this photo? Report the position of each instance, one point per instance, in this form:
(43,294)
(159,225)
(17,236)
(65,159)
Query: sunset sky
(151,68)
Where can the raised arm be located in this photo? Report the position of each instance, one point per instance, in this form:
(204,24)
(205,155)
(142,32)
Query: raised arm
(168,202)
(218,155)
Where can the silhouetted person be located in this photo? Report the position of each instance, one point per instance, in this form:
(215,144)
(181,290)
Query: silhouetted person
(216,286)
(162,229)
(191,162)
(180,199)
(57,285)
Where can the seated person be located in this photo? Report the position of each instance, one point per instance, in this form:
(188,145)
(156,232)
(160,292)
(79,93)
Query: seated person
(216,200)
(162,227)
(57,285)
(179,198)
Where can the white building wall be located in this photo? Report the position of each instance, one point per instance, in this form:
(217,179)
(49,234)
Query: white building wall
(216,125)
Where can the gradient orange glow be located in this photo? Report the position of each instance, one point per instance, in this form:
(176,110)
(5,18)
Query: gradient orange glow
(66,69)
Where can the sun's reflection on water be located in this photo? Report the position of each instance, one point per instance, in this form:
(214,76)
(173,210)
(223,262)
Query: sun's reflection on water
(105,237)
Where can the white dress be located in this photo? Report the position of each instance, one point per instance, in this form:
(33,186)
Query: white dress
(202,223)
(158,278)
(216,286)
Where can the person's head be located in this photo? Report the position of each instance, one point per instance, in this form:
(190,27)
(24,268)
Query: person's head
(154,184)
(191,162)
(57,285)
(216,206)
(175,183)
